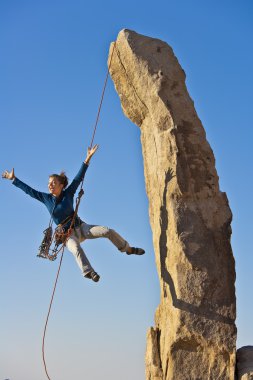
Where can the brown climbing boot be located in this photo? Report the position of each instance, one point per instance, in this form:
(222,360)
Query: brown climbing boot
(93,276)
(136,251)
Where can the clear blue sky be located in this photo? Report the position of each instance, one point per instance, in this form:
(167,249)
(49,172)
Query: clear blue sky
(53,57)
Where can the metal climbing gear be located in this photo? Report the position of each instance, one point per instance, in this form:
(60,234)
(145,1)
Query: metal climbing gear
(46,243)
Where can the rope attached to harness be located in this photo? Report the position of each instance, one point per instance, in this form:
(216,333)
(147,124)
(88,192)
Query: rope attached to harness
(49,237)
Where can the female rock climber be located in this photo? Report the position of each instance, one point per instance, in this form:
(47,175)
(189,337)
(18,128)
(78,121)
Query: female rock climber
(59,202)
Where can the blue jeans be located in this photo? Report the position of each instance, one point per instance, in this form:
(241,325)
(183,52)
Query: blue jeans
(88,231)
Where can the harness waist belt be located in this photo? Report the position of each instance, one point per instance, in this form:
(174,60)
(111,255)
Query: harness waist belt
(65,221)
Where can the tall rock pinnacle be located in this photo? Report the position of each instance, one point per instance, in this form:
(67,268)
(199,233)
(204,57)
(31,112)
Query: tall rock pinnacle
(194,335)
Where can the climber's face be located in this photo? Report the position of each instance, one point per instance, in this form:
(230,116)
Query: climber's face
(54,186)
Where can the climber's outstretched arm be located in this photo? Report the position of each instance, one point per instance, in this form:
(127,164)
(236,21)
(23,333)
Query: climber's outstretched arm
(42,197)
(80,175)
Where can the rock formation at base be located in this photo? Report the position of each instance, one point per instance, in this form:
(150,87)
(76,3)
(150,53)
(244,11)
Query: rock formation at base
(245,363)
(194,335)
(246,376)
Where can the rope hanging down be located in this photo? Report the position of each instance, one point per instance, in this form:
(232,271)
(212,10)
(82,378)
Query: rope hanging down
(73,219)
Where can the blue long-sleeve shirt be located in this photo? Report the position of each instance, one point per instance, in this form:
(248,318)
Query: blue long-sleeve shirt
(60,207)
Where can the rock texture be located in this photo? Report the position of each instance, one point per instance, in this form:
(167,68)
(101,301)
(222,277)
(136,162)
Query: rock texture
(194,334)
(245,363)
(247,376)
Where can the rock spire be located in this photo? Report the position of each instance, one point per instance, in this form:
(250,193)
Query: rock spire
(194,334)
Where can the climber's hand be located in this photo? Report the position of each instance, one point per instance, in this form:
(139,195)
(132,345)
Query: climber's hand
(90,153)
(8,175)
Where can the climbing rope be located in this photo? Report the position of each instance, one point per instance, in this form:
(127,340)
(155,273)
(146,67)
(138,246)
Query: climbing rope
(49,310)
(102,96)
(66,235)
(64,242)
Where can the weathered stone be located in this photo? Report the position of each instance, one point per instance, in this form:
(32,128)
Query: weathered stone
(244,363)
(247,376)
(153,356)
(195,333)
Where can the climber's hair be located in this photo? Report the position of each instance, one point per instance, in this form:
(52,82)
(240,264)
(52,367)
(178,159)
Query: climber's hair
(62,178)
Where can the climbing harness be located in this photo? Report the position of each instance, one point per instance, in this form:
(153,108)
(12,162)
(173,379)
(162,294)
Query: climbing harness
(61,237)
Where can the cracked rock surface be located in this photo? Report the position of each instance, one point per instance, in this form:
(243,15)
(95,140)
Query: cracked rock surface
(194,334)
(245,363)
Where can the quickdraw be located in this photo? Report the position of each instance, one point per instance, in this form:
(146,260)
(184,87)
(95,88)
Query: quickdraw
(46,243)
